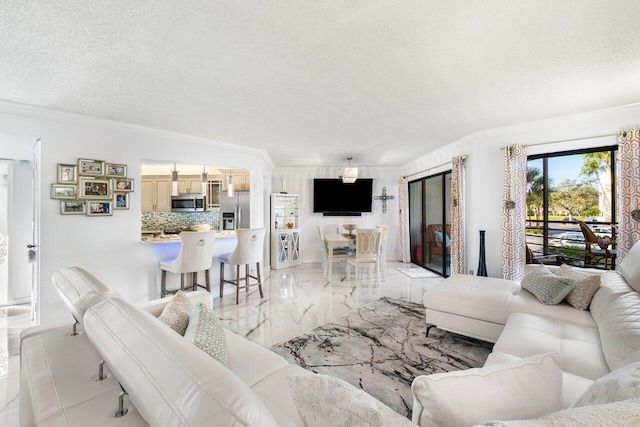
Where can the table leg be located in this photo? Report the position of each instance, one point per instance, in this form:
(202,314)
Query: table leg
(330,262)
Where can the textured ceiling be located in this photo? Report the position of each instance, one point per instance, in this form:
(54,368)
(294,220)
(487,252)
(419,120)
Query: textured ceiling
(312,82)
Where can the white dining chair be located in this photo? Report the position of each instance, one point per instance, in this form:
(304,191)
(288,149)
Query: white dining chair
(383,249)
(339,254)
(196,254)
(249,250)
(367,252)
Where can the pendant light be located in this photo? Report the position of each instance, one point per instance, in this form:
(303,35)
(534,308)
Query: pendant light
(205,181)
(174,181)
(229,184)
(350,173)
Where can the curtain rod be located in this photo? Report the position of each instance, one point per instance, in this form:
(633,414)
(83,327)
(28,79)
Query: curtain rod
(568,140)
(432,167)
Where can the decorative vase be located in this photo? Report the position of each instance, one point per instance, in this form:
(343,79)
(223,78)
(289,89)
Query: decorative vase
(482,262)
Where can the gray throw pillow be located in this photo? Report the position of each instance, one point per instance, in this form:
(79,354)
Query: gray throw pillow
(176,312)
(206,332)
(621,384)
(546,286)
(586,285)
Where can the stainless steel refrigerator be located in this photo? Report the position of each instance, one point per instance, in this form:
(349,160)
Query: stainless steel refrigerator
(238,205)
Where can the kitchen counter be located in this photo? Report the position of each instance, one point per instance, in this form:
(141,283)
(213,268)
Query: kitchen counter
(149,239)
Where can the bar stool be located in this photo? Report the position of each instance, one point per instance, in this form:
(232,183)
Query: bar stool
(249,250)
(196,254)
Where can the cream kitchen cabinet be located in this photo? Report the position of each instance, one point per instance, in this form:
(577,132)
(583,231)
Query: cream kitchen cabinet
(190,184)
(156,194)
(241,180)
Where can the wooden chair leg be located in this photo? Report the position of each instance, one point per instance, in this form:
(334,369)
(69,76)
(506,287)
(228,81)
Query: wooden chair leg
(221,277)
(237,283)
(182,282)
(246,278)
(259,279)
(194,281)
(163,287)
(206,279)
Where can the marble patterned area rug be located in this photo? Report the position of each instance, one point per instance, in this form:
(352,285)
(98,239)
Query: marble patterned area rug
(416,272)
(381,347)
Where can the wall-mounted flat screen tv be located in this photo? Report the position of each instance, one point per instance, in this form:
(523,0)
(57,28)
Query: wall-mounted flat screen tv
(333,197)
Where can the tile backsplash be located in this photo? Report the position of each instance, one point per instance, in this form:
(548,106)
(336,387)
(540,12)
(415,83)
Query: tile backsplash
(175,220)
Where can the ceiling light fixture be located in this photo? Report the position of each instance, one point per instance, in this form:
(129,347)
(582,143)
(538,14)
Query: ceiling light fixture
(174,181)
(205,180)
(350,174)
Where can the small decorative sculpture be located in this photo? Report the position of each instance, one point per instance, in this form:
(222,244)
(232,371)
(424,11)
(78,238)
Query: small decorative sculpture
(384,197)
(284,186)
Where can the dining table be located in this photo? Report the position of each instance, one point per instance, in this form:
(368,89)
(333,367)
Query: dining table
(334,241)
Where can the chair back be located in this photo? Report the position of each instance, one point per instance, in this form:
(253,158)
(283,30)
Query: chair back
(196,251)
(589,236)
(368,243)
(250,246)
(385,231)
(325,253)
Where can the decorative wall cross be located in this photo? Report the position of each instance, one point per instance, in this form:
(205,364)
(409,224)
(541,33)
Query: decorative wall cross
(384,197)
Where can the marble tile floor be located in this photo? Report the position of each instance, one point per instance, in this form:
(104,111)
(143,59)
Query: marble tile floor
(296,300)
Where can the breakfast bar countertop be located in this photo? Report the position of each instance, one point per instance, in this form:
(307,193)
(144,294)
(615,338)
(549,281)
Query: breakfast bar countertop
(150,239)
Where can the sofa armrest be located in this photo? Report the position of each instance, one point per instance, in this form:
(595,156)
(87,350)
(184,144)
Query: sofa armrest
(156,306)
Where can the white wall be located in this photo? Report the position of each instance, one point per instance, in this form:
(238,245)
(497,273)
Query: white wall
(300,181)
(110,247)
(485,166)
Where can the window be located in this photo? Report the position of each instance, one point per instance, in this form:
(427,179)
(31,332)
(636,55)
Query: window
(564,188)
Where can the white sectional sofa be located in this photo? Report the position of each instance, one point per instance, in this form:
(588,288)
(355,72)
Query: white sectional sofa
(168,380)
(592,342)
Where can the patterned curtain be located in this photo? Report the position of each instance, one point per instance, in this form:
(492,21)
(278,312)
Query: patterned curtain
(628,188)
(403,220)
(514,211)
(457,215)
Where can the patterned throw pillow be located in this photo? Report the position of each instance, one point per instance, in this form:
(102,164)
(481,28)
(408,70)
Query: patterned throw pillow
(546,286)
(621,384)
(323,400)
(586,285)
(176,312)
(207,333)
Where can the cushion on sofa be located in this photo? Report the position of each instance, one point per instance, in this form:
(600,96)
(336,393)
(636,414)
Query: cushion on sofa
(527,334)
(619,331)
(176,313)
(206,332)
(586,285)
(625,413)
(621,384)
(612,286)
(630,267)
(79,290)
(324,400)
(546,286)
(170,381)
(525,388)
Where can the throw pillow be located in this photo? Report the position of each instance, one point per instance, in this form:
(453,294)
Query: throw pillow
(546,286)
(207,333)
(625,413)
(438,236)
(586,285)
(621,384)
(526,388)
(323,400)
(176,312)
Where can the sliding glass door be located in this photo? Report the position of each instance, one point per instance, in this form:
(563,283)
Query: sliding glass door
(429,222)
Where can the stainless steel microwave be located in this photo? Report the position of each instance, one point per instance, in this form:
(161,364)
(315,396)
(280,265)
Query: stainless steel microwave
(188,203)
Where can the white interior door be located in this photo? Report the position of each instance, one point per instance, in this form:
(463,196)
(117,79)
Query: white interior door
(33,252)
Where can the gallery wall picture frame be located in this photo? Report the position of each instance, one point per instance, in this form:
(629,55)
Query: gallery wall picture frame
(94,188)
(120,200)
(73,207)
(89,167)
(67,174)
(64,191)
(122,184)
(99,208)
(116,170)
